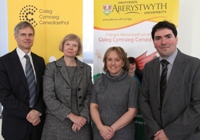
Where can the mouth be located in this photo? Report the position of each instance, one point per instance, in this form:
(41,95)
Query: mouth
(112,67)
(164,46)
(28,43)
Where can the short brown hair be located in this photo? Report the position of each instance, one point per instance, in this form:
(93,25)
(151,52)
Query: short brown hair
(120,51)
(73,37)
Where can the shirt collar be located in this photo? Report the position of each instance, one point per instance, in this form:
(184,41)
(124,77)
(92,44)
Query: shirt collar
(21,54)
(171,58)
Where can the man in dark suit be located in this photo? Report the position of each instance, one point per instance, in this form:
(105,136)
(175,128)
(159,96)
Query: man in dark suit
(21,120)
(174,113)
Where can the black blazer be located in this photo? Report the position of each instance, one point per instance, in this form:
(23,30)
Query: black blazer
(14,95)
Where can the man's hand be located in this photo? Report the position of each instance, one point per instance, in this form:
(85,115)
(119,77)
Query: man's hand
(160,135)
(33,117)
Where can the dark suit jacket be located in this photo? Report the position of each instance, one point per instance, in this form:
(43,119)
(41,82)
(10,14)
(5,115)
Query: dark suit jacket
(179,115)
(14,95)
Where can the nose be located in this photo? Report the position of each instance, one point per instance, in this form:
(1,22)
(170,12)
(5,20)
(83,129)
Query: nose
(113,62)
(70,46)
(163,41)
(27,37)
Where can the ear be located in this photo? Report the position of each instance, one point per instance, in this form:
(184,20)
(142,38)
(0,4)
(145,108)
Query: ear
(15,36)
(177,39)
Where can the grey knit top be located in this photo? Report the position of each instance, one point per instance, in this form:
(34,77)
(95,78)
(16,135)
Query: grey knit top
(114,95)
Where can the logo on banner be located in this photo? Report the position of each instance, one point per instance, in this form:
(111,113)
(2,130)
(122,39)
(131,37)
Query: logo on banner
(27,14)
(107,8)
(38,16)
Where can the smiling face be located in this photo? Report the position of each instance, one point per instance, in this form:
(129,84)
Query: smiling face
(165,42)
(114,63)
(70,48)
(25,39)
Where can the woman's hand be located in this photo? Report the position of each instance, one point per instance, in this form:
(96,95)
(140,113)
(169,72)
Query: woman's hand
(78,121)
(106,132)
(76,127)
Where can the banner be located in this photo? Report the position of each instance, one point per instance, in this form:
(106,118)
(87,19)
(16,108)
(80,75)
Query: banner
(128,24)
(52,20)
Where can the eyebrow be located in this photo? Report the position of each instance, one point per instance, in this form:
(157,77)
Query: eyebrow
(168,35)
(164,35)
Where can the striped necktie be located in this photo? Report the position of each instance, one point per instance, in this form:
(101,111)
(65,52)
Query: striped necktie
(163,79)
(31,81)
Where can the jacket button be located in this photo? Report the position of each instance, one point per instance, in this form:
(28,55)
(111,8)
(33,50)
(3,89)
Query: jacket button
(80,97)
(80,105)
(79,89)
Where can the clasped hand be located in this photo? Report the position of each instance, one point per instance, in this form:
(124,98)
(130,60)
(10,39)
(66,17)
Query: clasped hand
(33,117)
(106,132)
(160,135)
(78,121)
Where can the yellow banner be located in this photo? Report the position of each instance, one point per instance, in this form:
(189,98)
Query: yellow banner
(117,14)
(52,21)
(128,23)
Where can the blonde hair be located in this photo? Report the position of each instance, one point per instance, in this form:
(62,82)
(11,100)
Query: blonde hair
(122,54)
(70,37)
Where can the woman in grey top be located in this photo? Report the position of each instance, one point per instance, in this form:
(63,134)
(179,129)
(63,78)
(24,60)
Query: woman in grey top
(67,89)
(113,102)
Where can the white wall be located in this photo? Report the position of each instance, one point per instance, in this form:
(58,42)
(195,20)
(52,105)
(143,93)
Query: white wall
(189,27)
(3,27)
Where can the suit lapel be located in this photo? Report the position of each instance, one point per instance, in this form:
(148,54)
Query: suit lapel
(80,71)
(37,70)
(156,78)
(18,68)
(65,74)
(36,67)
(63,70)
(176,72)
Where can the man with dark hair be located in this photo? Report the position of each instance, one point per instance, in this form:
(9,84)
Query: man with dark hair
(21,92)
(170,92)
